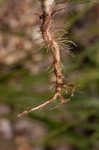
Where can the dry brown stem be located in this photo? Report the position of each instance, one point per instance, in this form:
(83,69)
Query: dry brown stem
(47,21)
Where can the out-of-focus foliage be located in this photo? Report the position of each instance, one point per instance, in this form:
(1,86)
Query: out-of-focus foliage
(25,80)
(1,1)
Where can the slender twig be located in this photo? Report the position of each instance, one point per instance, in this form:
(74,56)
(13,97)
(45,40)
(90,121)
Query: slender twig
(47,21)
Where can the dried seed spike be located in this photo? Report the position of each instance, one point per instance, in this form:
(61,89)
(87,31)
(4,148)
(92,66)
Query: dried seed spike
(48,37)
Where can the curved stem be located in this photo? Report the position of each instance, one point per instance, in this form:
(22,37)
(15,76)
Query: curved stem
(47,20)
(50,41)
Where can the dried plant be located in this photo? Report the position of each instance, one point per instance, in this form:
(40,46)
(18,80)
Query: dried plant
(47,21)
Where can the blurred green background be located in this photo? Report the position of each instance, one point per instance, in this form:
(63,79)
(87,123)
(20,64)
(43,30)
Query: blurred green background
(27,79)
